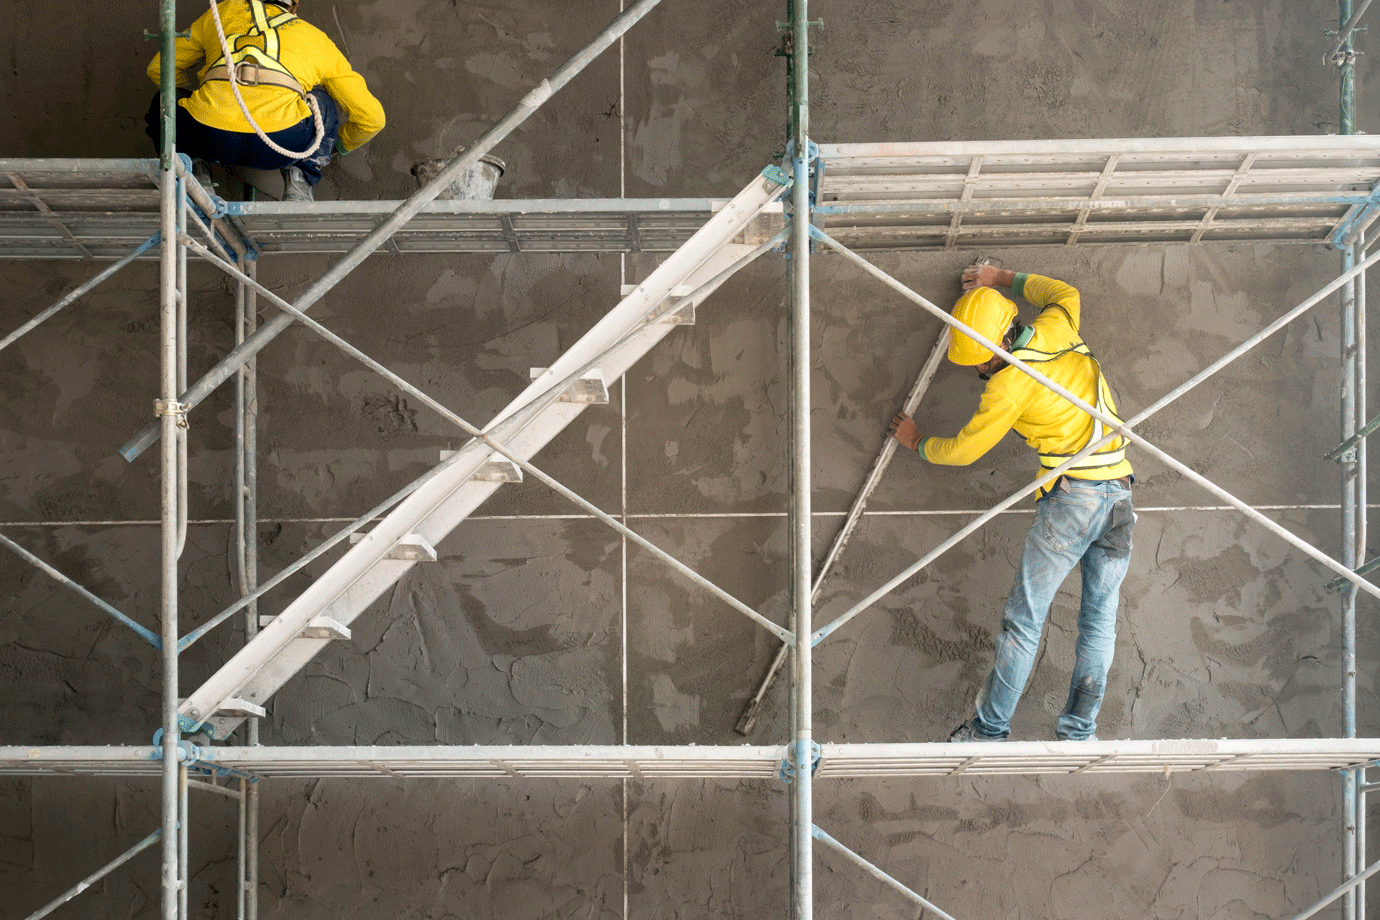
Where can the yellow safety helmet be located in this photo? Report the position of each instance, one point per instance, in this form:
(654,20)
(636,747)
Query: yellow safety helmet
(987,312)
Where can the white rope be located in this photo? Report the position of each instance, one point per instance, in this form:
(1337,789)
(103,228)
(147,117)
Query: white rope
(235,88)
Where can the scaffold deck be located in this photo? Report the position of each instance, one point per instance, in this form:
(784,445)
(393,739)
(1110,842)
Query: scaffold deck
(836,761)
(917,196)
(893,196)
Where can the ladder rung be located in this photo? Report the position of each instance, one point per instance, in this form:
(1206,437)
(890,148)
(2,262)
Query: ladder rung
(589,389)
(685,316)
(242,709)
(499,469)
(322,627)
(412,548)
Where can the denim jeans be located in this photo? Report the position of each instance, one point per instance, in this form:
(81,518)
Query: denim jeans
(1087,524)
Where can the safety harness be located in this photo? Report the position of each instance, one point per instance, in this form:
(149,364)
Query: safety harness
(254,54)
(1115,451)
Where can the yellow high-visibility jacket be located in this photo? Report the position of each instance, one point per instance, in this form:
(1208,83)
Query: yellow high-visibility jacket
(1052,425)
(305,52)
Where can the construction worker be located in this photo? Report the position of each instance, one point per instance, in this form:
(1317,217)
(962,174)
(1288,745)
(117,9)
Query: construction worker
(301,100)
(1083,518)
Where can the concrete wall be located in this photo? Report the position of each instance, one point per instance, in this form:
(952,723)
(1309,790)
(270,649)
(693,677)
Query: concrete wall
(524,631)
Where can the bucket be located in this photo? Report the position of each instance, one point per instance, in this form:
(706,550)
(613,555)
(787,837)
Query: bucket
(474,184)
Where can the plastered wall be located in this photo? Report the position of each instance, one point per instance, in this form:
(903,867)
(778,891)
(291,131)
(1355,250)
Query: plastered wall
(537,625)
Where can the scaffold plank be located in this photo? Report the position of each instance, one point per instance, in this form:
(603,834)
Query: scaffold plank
(107,206)
(580,225)
(837,761)
(941,195)
(894,196)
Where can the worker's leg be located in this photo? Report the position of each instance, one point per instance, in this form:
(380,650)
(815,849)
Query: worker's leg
(1104,566)
(189,135)
(312,165)
(1055,543)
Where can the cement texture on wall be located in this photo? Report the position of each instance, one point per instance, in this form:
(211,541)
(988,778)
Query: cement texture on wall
(539,625)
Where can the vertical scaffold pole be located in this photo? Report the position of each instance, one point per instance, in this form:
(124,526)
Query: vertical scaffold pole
(1361,409)
(1350,553)
(247,452)
(802,567)
(168,395)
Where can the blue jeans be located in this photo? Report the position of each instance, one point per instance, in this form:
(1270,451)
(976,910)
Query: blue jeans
(1086,524)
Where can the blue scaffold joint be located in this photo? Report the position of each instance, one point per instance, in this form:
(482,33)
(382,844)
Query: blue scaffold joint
(191,726)
(811,150)
(788,770)
(774,173)
(1364,215)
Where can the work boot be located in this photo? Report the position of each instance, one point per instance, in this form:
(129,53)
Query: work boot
(970,732)
(201,172)
(295,185)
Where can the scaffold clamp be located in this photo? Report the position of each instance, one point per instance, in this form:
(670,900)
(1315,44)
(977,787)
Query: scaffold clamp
(1358,222)
(788,770)
(162,407)
(774,173)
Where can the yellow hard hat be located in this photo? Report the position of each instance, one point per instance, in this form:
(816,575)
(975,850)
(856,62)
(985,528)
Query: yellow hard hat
(987,312)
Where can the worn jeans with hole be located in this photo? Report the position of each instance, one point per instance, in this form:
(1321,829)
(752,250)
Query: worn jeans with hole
(1089,526)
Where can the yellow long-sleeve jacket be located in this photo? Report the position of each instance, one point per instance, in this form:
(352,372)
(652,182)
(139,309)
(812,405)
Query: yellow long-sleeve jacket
(1050,424)
(308,54)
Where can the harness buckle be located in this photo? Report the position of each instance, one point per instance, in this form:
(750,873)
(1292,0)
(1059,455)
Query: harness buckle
(242,75)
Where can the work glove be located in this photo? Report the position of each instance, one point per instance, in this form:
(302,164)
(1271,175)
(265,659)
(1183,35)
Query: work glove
(905,431)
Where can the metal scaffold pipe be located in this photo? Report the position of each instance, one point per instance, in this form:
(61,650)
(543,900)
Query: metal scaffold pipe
(148,635)
(172,875)
(802,568)
(1341,49)
(96,876)
(1353,383)
(926,905)
(80,291)
(405,212)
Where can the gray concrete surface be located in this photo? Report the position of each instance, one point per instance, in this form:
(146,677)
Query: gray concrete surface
(524,629)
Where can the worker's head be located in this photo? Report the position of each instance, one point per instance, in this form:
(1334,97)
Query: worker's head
(988,313)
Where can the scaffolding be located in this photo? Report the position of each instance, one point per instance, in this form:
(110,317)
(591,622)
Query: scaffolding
(848,198)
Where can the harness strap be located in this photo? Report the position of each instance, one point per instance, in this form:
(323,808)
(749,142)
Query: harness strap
(252,73)
(252,65)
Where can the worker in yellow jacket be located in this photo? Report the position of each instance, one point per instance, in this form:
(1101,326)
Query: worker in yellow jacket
(304,99)
(1083,518)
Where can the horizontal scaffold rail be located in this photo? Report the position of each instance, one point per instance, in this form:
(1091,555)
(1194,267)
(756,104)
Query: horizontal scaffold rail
(76,209)
(916,196)
(836,761)
(539,225)
(890,196)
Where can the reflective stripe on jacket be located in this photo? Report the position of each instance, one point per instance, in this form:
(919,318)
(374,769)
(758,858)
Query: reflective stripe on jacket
(304,50)
(1055,428)
(255,51)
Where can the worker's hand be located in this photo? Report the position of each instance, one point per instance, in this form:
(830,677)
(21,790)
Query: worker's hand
(340,150)
(905,431)
(986,276)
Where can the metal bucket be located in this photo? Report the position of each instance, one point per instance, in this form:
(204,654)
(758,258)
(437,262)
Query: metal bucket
(474,184)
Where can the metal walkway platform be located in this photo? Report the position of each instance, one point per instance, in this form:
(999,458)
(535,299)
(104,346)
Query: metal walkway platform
(579,225)
(837,761)
(902,196)
(916,196)
(102,209)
